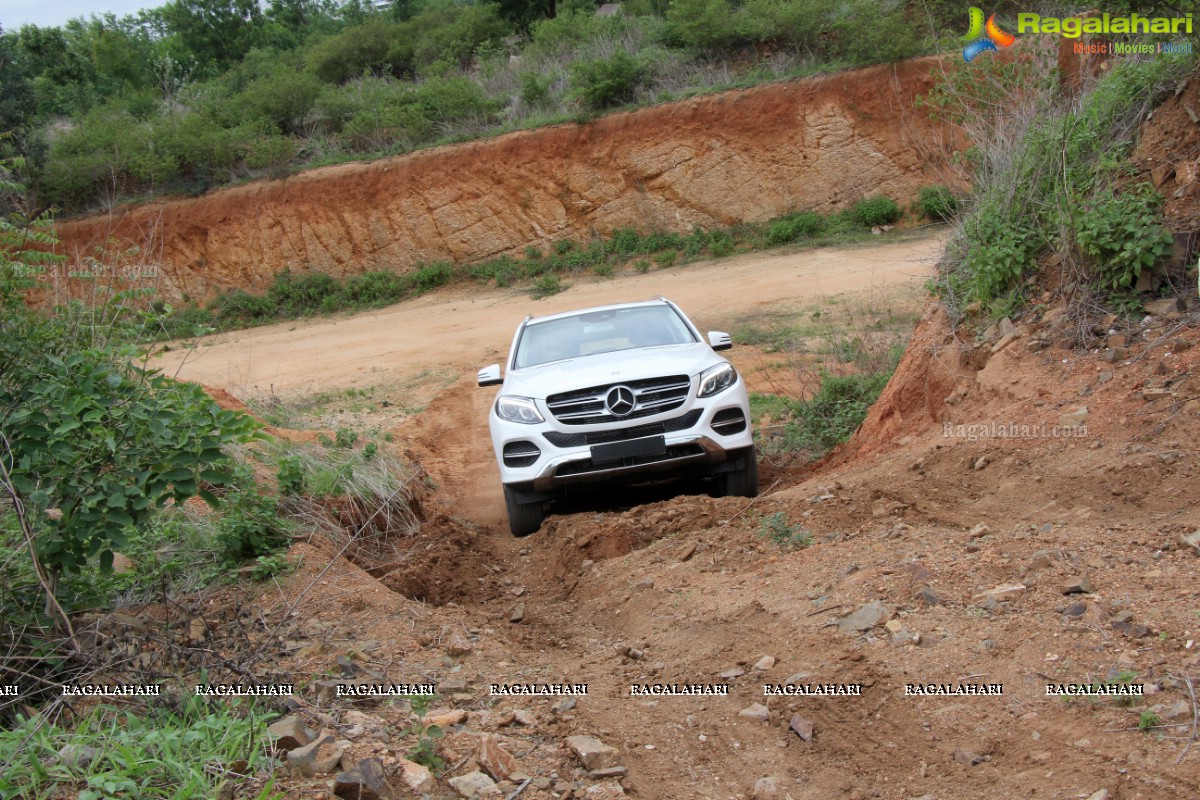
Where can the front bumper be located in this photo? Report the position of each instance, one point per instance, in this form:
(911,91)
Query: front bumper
(564,453)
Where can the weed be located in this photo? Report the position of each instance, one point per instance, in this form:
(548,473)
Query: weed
(425,751)
(641,265)
(1148,721)
(665,258)
(290,475)
(345,438)
(788,536)
(546,286)
(269,567)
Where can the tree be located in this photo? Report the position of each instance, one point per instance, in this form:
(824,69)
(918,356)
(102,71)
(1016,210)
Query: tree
(216,32)
(16,91)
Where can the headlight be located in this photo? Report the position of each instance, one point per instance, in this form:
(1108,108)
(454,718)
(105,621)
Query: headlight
(518,409)
(717,379)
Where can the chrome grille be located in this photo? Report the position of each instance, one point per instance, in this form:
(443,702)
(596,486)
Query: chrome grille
(652,396)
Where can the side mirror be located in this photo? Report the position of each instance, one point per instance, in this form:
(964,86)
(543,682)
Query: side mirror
(490,376)
(719,340)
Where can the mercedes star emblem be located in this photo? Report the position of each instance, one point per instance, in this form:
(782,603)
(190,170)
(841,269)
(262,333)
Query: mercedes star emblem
(619,401)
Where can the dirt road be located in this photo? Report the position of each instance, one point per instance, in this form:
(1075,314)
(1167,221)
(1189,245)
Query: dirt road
(466,329)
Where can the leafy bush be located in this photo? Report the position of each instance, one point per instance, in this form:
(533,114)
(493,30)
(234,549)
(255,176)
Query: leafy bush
(290,475)
(937,202)
(1123,234)
(835,412)
(546,286)
(877,210)
(249,525)
(604,83)
(795,226)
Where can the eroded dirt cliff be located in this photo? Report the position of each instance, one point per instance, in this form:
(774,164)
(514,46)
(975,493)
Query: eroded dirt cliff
(815,143)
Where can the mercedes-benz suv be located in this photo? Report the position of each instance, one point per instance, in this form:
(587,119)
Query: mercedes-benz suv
(628,392)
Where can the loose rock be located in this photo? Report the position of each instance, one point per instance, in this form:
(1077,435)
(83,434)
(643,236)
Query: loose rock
(494,759)
(416,776)
(365,781)
(1079,585)
(802,727)
(318,757)
(474,784)
(756,712)
(966,757)
(593,753)
(764,663)
(1002,593)
(517,614)
(765,789)
(289,733)
(865,618)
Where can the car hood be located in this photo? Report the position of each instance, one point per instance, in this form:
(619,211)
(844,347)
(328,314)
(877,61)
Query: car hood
(606,368)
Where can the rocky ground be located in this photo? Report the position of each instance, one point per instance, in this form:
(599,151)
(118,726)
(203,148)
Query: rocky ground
(937,548)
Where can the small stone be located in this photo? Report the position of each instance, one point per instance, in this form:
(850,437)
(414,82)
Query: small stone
(77,756)
(734,672)
(928,596)
(1174,346)
(1152,394)
(593,753)
(524,717)
(318,757)
(609,790)
(1160,308)
(289,733)
(608,772)
(765,789)
(1099,795)
(966,757)
(416,776)
(865,618)
(755,712)
(1078,585)
(894,625)
(1041,559)
(802,727)
(981,462)
(1104,377)
(979,531)
(685,552)
(764,663)
(518,613)
(446,719)
(1192,540)
(473,785)
(1002,593)
(1117,340)
(494,759)
(644,583)
(1073,418)
(365,781)
(457,646)
(799,677)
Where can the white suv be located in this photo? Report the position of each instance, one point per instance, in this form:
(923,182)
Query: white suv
(623,392)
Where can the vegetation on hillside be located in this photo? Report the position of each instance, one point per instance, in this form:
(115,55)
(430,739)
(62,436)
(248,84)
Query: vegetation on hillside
(201,93)
(1053,185)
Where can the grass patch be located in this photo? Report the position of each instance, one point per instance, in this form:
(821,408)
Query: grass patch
(152,752)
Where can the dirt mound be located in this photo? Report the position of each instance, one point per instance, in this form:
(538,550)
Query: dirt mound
(820,143)
(1167,151)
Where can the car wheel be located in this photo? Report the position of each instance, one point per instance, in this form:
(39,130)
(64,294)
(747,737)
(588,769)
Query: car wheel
(524,518)
(742,481)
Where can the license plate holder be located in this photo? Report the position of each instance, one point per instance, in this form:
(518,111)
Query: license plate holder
(634,448)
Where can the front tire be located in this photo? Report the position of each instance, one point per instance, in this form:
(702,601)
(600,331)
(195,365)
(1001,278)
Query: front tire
(524,518)
(742,481)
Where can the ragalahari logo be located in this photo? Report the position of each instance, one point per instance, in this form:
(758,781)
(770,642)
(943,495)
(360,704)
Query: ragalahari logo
(982,37)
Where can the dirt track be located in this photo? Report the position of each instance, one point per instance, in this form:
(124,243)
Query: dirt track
(466,329)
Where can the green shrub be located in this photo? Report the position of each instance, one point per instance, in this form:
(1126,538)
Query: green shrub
(290,475)
(604,83)
(834,412)
(534,89)
(800,225)
(1123,234)
(937,202)
(546,286)
(249,525)
(877,210)
(344,438)
(666,258)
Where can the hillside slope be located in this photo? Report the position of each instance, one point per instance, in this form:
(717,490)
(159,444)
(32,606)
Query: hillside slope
(819,143)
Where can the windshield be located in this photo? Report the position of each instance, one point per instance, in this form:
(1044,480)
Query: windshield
(600,332)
